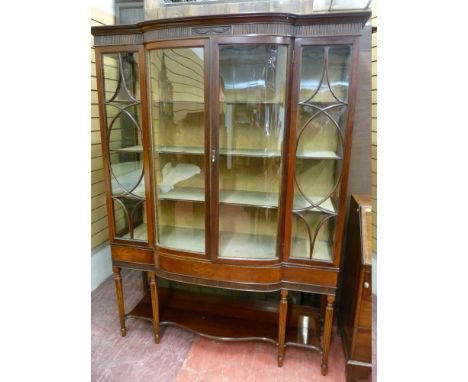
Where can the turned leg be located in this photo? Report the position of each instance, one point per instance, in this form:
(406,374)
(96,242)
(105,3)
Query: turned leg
(144,278)
(283,310)
(120,301)
(327,331)
(155,304)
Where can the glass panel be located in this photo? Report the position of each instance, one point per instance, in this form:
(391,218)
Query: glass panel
(247,232)
(251,128)
(124,140)
(321,124)
(178,123)
(130,218)
(313,229)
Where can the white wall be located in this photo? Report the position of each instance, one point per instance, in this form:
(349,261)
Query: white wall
(105,5)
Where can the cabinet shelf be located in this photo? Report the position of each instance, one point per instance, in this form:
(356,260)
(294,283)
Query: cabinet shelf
(317,154)
(301,203)
(252,102)
(322,249)
(306,154)
(130,149)
(179,150)
(223,102)
(201,103)
(185,239)
(244,198)
(231,245)
(139,233)
(246,246)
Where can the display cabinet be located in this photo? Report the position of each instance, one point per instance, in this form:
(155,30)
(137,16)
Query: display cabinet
(226,145)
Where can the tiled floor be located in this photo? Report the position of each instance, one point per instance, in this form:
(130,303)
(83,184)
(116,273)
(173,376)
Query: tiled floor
(182,356)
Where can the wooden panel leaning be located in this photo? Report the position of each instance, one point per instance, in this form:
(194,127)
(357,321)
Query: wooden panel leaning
(355,313)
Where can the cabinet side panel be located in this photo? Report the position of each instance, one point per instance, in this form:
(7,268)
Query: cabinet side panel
(360,166)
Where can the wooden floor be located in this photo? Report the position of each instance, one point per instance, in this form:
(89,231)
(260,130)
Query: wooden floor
(182,356)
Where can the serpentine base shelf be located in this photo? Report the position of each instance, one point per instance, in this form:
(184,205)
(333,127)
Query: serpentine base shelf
(229,319)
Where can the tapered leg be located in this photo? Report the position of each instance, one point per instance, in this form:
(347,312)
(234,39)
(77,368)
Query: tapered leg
(144,278)
(327,331)
(155,304)
(323,306)
(283,310)
(120,300)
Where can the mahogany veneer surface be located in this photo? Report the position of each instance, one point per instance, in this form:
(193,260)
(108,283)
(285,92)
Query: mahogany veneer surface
(231,319)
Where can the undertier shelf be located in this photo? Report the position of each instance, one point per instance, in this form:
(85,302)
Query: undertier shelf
(232,319)
(305,154)
(245,198)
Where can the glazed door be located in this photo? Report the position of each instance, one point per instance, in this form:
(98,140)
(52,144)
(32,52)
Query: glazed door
(250,96)
(122,101)
(179,118)
(320,120)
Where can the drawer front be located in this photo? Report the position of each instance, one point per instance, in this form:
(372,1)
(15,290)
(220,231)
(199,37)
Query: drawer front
(132,255)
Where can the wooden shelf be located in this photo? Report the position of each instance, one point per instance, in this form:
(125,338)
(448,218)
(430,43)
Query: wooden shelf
(246,246)
(251,153)
(317,154)
(183,194)
(241,102)
(234,245)
(139,233)
(245,198)
(130,149)
(231,245)
(179,150)
(301,203)
(185,239)
(322,249)
(231,319)
(249,198)
(201,103)
(306,154)
(242,198)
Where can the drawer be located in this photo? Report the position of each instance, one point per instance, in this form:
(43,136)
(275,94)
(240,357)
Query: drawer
(132,255)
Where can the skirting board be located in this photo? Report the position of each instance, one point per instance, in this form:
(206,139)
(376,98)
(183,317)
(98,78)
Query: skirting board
(101,265)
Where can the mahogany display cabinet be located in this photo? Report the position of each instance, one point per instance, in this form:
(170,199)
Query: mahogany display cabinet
(226,143)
